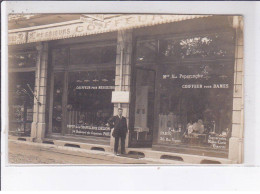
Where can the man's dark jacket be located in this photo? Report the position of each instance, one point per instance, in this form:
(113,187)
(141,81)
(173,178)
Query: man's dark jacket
(119,125)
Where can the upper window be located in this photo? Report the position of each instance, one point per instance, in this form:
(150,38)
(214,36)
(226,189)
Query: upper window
(60,56)
(146,51)
(200,47)
(93,55)
(20,60)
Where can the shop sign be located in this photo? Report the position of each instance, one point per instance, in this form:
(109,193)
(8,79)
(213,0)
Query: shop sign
(218,142)
(95,87)
(17,38)
(120,97)
(98,26)
(200,77)
(90,130)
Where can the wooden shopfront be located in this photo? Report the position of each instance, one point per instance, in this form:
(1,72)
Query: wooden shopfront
(82,78)
(183,89)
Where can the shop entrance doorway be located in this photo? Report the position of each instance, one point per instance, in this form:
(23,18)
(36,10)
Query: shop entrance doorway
(142,134)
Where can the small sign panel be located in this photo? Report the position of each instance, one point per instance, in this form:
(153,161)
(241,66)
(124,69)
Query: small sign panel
(120,97)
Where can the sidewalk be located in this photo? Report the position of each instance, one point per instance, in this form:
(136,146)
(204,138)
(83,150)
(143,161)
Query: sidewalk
(24,152)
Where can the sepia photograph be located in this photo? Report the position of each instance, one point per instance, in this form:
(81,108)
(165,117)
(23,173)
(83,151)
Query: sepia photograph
(130,95)
(128,89)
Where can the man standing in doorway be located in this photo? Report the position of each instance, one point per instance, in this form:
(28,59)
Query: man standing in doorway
(120,130)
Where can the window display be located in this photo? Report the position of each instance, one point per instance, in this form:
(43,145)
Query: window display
(196,104)
(21,103)
(89,103)
(194,77)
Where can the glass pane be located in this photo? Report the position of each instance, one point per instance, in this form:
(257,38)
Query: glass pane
(196,105)
(60,56)
(57,102)
(89,103)
(144,106)
(21,101)
(20,60)
(218,45)
(146,51)
(96,55)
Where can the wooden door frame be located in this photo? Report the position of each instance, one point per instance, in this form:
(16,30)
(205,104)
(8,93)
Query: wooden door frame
(133,101)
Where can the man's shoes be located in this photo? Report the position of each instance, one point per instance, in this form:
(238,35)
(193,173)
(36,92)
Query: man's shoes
(117,154)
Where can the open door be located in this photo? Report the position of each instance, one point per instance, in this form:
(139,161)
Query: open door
(142,134)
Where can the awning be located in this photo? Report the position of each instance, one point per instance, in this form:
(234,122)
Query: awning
(94,25)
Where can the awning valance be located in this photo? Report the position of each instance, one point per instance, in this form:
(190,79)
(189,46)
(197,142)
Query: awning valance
(94,25)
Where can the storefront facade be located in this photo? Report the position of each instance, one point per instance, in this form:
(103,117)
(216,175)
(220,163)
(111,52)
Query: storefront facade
(179,82)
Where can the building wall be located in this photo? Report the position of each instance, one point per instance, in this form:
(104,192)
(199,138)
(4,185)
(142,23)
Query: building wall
(236,142)
(124,44)
(39,111)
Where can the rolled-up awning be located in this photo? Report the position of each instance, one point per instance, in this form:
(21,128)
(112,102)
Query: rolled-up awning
(93,24)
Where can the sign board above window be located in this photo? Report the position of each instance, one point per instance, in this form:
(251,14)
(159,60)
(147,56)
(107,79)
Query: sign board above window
(120,97)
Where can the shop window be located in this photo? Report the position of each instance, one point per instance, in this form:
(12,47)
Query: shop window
(20,60)
(201,47)
(196,105)
(89,103)
(60,57)
(21,102)
(146,51)
(93,55)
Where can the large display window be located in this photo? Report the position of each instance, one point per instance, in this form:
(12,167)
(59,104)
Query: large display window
(196,104)
(21,66)
(21,103)
(89,103)
(194,88)
(83,80)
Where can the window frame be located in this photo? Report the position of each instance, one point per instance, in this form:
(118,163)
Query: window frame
(68,68)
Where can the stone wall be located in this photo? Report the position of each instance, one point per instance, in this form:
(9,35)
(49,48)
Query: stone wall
(124,44)
(236,142)
(39,110)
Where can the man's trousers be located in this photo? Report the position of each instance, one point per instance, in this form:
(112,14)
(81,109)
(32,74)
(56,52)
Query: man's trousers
(122,139)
